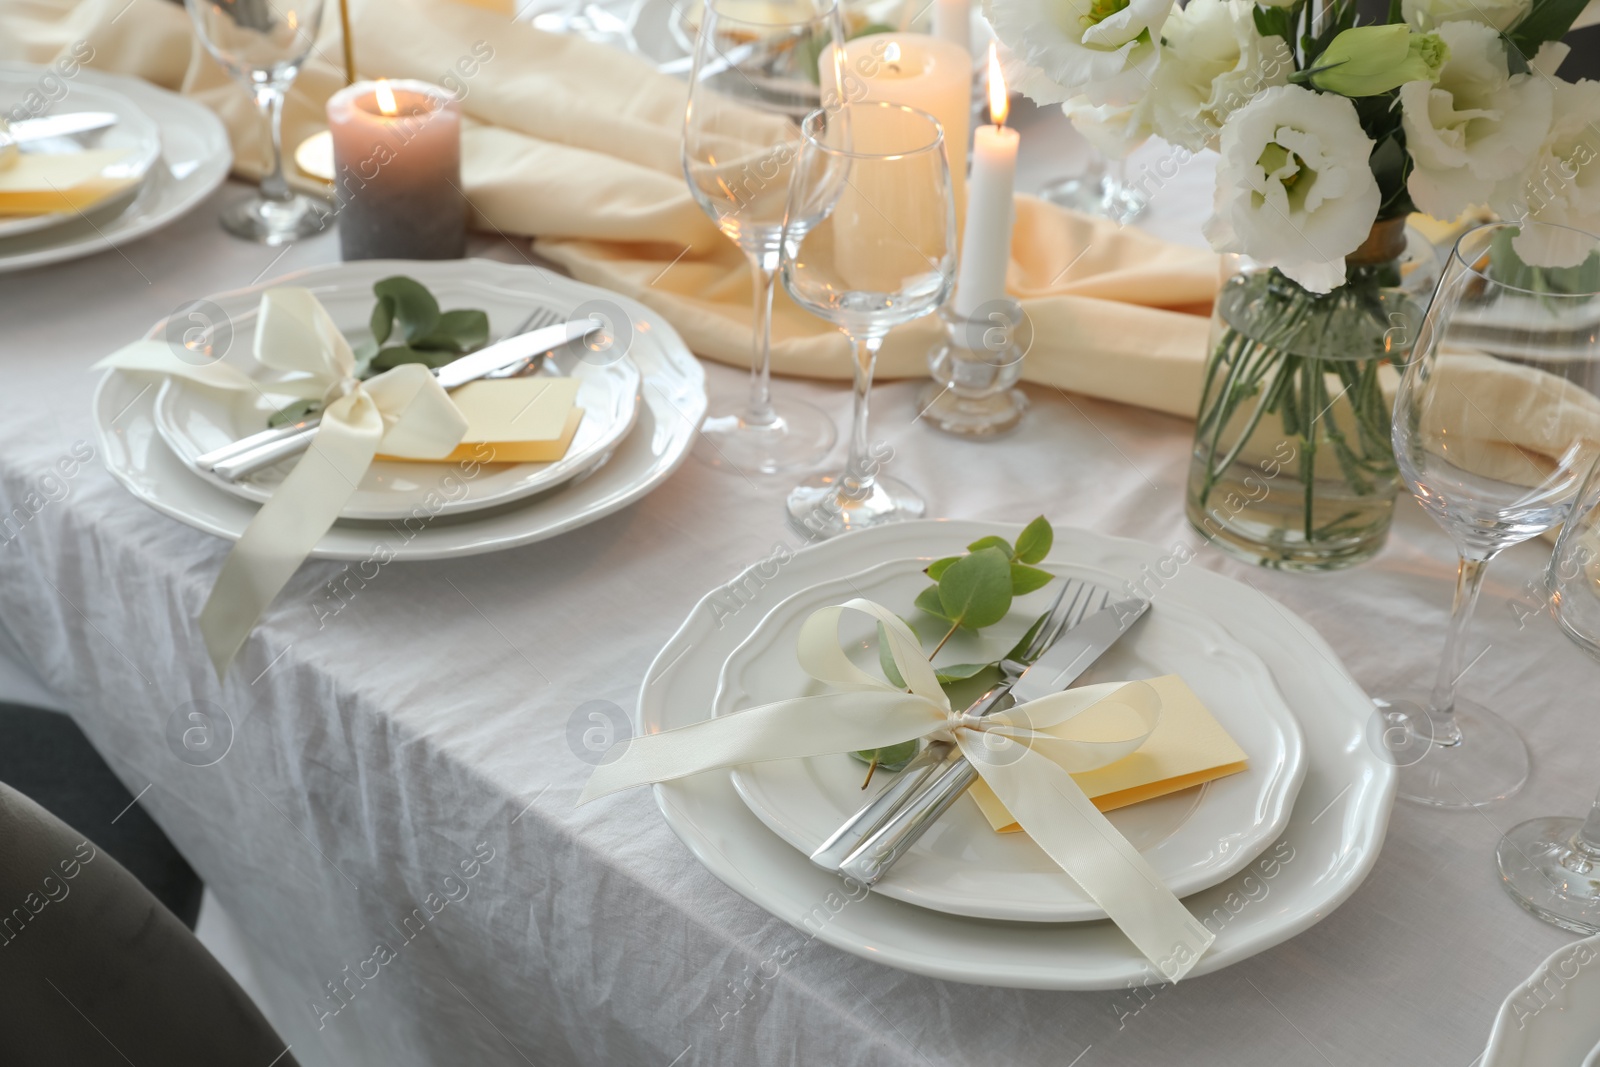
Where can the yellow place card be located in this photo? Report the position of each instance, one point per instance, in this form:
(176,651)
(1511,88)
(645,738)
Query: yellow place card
(522,420)
(40,184)
(1188,747)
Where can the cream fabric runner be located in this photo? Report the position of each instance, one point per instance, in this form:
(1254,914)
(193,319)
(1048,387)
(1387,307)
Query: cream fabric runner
(577,144)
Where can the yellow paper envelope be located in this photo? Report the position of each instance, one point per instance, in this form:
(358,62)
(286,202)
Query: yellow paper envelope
(40,184)
(516,420)
(1187,748)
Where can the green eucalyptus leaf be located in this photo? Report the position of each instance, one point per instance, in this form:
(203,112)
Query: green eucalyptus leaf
(382,322)
(963,691)
(928,600)
(937,568)
(959,672)
(413,305)
(291,413)
(461,330)
(1025,579)
(395,355)
(1034,544)
(992,542)
(976,589)
(891,757)
(886,661)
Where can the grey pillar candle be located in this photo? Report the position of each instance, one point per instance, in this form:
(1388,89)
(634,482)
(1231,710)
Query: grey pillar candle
(397,171)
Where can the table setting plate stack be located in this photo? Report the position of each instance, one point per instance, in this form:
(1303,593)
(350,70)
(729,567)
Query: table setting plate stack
(142,158)
(641,402)
(1302,824)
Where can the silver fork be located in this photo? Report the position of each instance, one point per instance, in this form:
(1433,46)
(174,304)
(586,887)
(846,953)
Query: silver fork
(538,319)
(1067,610)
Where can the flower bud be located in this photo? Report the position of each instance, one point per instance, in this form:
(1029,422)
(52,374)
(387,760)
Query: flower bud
(1369,60)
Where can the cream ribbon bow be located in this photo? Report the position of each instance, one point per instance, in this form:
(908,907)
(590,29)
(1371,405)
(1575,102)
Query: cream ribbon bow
(1027,755)
(402,412)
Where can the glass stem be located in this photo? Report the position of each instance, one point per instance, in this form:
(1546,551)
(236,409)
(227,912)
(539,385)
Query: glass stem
(861,472)
(269,98)
(1586,842)
(763,272)
(1469,580)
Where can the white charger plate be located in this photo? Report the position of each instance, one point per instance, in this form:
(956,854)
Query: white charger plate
(134,132)
(1553,1018)
(195,158)
(1193,839)
(674,397)
(193,420)
(1332,840)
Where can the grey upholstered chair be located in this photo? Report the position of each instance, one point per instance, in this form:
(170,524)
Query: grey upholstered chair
(94,970)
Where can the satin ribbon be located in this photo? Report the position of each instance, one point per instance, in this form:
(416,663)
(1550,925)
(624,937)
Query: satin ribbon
(1027,755)
(402,412)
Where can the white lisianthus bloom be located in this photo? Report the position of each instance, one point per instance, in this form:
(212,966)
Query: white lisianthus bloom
(1213,61)
(1294,187)
(1113,131)
(1477,125)
(1562,183)
(1103,49)
(1429,14)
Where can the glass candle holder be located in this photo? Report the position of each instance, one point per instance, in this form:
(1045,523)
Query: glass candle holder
(975,370)
(397,171)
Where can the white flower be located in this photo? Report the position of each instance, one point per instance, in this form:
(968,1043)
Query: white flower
(1103,49)
(1477,125)
(1213,61)
(1113,131)
(1428,14)
(1562,183)
(1294,188)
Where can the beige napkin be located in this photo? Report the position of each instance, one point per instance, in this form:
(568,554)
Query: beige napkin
(577,144)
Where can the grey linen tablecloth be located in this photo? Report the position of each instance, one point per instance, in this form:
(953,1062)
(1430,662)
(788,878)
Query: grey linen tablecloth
(394,824)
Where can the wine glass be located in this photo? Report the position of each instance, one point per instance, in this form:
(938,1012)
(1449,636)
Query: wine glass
(751,85)
(262,43)
(1496,424)
(1551,866)
(869,244)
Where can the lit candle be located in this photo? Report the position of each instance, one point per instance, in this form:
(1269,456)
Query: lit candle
(952,21)
(397,171)
(921,72)
(986,242)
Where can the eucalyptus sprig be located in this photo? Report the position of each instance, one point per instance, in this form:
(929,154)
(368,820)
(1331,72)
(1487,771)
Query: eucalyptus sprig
(427,335)
(970,592)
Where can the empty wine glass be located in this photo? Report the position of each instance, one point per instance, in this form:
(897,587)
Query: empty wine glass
(1496,424)
(262,43)
(757,73)
(869,244)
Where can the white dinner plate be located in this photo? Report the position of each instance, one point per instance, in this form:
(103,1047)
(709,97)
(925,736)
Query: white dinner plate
(674,398)
(1329,846)
(1193,839)
(134,133)
(194,159)
(1553,1018)
(193,420)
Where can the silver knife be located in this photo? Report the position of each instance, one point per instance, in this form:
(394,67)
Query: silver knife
(234,461)
(1054,671)
(67,125)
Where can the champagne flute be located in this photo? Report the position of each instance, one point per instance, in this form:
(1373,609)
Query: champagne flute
(869,244)
(1496,424)
(757,72)
(262,43)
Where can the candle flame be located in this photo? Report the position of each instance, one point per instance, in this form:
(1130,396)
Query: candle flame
(385,97)
(999,101)
(891,52)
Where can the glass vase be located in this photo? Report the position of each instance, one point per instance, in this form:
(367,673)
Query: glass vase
(1292,466)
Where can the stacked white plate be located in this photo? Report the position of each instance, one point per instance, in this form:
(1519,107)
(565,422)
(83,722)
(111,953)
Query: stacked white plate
(643,399)
(176,149)
(1300,827)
